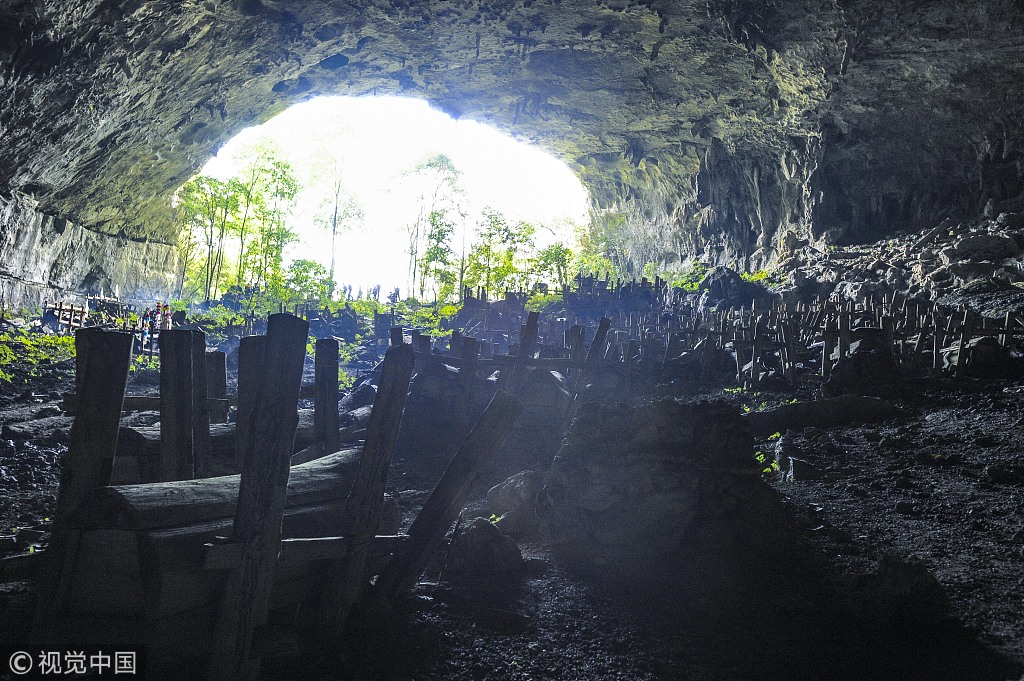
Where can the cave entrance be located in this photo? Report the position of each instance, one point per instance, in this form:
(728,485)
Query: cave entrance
(361,197)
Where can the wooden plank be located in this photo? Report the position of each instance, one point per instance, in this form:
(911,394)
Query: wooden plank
(325,414)
(250,374)
(88,465)
(471,460)
(177,460)
(202,451)
(527,339)
(261,500)
(216,385)
(346,580)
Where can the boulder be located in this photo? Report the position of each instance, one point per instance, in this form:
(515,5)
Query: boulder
(482,551)
(636,485)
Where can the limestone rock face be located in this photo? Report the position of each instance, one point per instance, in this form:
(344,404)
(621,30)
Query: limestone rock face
(47,258)
(728,130)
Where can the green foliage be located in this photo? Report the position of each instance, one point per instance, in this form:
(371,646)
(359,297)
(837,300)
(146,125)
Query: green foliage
(144,362)
(688,279)
(29,350)
(306,280)
(767,277)
(251,210)
(500,258)
(775,436)
(436,265)
(768,467)
(554,263)
(540,302)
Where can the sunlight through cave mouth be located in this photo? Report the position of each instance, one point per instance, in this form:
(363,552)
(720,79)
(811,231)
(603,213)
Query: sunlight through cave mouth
(369,189)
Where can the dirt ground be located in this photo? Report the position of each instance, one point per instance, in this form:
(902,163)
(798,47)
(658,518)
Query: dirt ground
(908,564)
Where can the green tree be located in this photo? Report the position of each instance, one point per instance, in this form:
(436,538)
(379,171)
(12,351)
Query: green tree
(279,189)
(440,190)
(499,258)
(307,280)
(554,263)
(436,265)
(209,206)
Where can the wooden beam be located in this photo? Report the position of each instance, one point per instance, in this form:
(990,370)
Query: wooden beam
(216,383)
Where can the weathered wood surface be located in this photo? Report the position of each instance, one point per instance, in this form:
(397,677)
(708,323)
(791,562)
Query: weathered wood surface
(202,453)
(261,501)
(185,502)
(177,455)
(162,573)
(471,460)
(88,465)
(251,350)
(346,580)
(145,440)
(527,339)
(325,414)
(216,375)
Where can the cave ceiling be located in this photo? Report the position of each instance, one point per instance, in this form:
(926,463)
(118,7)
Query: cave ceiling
(696,118)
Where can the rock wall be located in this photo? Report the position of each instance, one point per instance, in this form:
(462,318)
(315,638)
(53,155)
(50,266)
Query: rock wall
(47,258)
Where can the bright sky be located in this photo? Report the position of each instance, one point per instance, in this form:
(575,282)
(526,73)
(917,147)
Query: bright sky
(374,141)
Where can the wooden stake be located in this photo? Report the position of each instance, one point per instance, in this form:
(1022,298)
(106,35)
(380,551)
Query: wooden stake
(325,405)
(217,381)
(251,350)
(177,456)
(261,500)
(87,465)
(472,459)
(346,580)
(203,451)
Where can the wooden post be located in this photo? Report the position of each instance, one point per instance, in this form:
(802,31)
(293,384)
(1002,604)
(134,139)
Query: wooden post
(203,451)
(397,336)
(346,579)
(177,457)
(84,340)
(829,338)
(574,335)
(594,354)
(844,333)
(217,380)
(472,459)
(937,338)
(527,339)
(87,465)
(261,500)
(965,338)
(325,406)
(250,375)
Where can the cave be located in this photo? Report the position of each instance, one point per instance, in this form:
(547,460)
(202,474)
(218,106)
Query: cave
(801,464)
